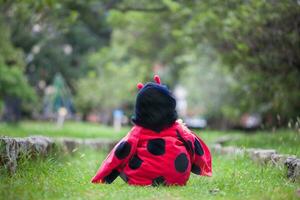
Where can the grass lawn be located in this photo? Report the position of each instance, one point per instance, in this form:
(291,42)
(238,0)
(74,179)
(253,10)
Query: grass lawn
(68,178)
(70,129)
(284,141)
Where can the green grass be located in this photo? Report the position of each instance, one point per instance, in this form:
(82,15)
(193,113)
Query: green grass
(70,129)
(68,178)
(284,141)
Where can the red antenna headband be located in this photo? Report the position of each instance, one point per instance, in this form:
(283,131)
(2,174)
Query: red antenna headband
(156,79)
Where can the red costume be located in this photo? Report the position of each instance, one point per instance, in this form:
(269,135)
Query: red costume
(152,157)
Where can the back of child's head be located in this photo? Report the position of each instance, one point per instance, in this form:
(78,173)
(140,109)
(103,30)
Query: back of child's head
(155,106)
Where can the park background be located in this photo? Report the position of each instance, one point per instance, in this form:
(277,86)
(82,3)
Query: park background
(66,67)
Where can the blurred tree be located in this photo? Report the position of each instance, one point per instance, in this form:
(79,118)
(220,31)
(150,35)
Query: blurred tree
(259,41)
(111,81)
(13,83)
(52,37)
(55,36)
(57,95)
(255,47)
(136,45)
(208,84)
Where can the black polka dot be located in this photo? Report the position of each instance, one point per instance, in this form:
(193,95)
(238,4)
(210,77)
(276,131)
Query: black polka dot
(156,146)
(123,150)
(181,163)
(124,177)
(112,176)
(188,145)
(135,162)
(195,169)
(178,134)
(198,148)
(159,181)
(191,149)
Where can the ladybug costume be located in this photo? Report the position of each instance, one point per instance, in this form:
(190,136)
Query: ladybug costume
(159,149)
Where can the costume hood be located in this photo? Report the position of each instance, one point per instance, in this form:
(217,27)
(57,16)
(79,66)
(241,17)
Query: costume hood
(155,106)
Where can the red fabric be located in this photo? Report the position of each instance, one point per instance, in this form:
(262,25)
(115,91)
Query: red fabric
(157,79)
(179,143)
(140,85)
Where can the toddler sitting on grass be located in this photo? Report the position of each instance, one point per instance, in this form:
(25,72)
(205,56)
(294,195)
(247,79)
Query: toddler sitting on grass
(159,149)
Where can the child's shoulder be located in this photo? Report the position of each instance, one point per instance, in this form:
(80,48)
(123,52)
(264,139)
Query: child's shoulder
(177,126)
(181,125)
(135,130)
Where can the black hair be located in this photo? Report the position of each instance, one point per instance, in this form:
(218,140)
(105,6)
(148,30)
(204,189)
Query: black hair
(155,107)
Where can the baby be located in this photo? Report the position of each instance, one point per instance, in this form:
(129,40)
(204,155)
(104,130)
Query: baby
(159,149)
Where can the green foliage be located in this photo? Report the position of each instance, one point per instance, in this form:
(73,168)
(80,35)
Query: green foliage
(55,36)
(250,49)
(51,38)
(12,80)
(258,41)
(208,84)
(112,80)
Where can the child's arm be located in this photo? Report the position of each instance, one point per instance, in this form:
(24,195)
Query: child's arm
(200,153)
(202,160)
(117,158)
